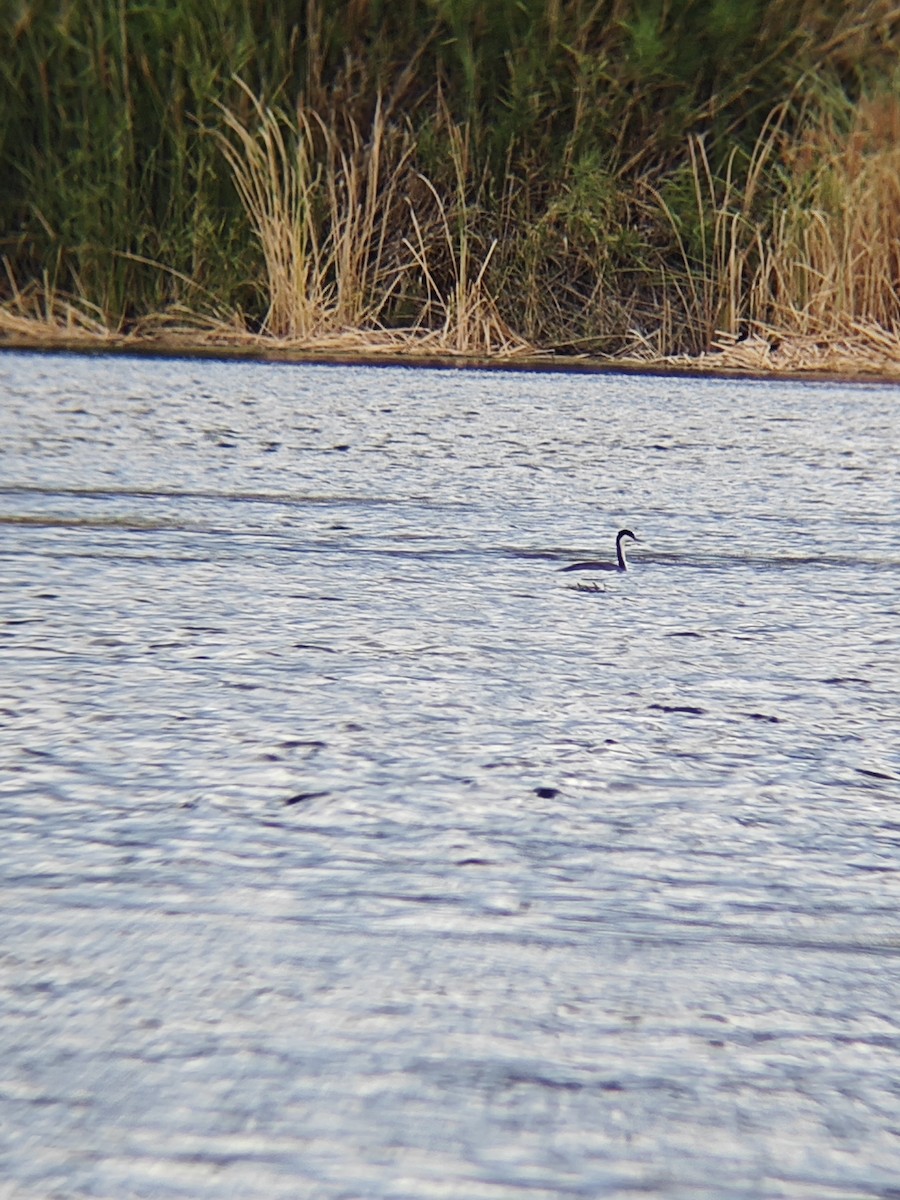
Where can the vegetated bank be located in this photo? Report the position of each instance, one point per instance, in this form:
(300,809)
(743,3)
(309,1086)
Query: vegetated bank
(627,178)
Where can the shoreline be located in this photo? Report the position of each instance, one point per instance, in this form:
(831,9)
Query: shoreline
(789,358)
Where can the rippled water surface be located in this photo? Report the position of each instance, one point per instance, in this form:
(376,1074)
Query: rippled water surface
(349,850)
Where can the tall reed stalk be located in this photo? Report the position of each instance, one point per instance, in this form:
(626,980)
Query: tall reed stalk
(720,266)
(461,313)
(322,210)
(833,256)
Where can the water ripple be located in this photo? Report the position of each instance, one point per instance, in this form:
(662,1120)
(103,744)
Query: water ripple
(349,851)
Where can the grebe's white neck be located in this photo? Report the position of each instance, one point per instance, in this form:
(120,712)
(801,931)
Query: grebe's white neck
(620,549)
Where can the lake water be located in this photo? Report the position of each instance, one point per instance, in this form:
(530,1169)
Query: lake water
(351,851)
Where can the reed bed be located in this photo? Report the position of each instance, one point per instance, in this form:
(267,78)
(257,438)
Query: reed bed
(458,179)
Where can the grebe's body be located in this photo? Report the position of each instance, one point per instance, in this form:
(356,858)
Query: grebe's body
(620,563)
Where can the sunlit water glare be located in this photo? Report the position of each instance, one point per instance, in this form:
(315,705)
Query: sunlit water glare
(351,851)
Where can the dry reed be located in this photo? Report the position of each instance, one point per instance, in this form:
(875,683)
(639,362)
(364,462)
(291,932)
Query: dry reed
(42,313)
(832,262)
(321,211)
(325,213)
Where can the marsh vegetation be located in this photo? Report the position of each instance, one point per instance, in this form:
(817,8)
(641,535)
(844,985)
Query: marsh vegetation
(627,179)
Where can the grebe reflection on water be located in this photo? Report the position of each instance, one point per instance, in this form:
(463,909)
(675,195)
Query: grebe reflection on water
(620,563)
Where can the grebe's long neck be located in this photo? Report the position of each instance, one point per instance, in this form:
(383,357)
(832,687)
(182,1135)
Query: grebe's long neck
(620,554)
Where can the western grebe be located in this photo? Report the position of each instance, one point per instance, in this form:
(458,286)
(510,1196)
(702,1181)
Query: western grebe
(619,565)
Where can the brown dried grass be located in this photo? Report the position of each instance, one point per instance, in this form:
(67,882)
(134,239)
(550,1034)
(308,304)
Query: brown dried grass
(341,239)
(318,212)
(39,312)
(831,264)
